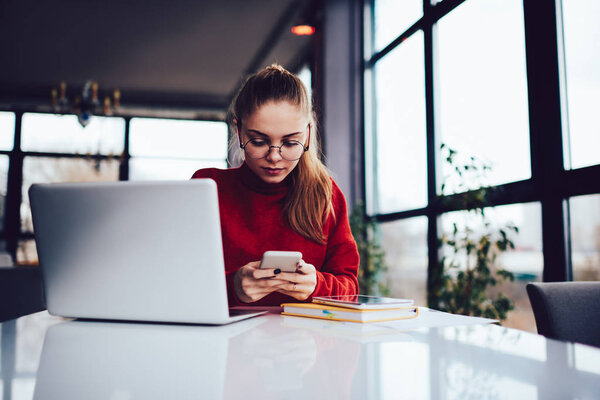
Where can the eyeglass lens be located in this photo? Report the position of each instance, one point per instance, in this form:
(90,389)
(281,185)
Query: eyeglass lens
(290,151)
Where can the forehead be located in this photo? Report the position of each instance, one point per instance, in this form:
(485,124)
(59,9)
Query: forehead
(277,118)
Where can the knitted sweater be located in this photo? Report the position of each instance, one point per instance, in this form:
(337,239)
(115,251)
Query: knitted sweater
(252,222)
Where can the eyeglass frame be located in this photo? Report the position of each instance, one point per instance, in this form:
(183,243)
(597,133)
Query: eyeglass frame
(305,148)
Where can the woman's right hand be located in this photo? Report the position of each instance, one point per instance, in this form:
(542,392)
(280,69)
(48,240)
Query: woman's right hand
(252,283)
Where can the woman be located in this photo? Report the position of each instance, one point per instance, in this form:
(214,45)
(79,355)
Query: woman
(281,198)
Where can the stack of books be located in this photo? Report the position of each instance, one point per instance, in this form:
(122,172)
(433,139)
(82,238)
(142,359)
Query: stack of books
(355,308)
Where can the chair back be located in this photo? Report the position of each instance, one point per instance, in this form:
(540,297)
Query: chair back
(567,310)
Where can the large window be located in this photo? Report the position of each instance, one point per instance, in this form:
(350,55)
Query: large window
(405,244)
(175,149)
(581,33)
(507,84)
(63,134)
(400,120)
(7,130)
(392,17)
(525,261)
(56,148)
(585,237)
(482,86)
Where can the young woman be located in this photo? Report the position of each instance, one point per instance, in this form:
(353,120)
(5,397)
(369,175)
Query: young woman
(281,198)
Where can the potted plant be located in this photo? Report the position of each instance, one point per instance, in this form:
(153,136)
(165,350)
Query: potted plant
(467,275)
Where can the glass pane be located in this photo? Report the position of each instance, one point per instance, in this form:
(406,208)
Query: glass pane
(585,237)
(393,17)
(153,137)
(49,170)
(63,134)
(7,130)
(27,252)
(405,245)
(525,261)
(480,114)
(165,169)
(400,162)
(582,61)
(6,259)
(3,184)
(305,76)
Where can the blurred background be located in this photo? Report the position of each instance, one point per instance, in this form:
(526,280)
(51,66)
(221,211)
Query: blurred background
(139,90)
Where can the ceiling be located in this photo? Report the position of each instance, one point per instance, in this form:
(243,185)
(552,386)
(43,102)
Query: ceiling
(177,53)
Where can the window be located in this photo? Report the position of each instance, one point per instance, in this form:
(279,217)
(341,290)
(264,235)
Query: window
(7,130)
(56,148)
(483,108)
(63,134)
(175,149)
(584,212)
(83,154)
(525,261)
(3,182)
(60,169)
(456,73)
(405,244)
(581,37)
(399,160)
(392,17)
(305,76)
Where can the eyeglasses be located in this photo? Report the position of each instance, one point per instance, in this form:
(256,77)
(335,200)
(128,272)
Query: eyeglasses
(290,150)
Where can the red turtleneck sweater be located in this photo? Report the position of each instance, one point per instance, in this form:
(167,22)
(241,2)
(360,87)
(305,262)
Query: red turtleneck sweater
(252,222)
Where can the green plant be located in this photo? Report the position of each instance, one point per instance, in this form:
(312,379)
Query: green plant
(467,273)
(372,256)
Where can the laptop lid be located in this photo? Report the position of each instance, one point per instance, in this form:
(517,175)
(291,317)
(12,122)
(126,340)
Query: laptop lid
(147,251)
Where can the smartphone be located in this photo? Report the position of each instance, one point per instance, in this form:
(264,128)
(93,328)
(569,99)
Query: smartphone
(286,261)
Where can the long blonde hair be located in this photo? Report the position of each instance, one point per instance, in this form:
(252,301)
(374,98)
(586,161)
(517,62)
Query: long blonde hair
(308,202)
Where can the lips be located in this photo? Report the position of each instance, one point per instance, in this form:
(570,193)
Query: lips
(273,171)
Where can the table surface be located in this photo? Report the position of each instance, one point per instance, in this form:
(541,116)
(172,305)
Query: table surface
(276,357)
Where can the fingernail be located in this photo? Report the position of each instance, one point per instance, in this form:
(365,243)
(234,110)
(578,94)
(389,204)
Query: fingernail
(277,271)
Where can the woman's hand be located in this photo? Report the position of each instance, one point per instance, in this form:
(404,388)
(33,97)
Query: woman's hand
(252,283)
(300,284)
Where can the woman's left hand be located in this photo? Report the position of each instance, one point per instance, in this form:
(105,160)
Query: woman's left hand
(302,283)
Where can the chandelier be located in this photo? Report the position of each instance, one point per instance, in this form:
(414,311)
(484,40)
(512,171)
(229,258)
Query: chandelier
(85,104)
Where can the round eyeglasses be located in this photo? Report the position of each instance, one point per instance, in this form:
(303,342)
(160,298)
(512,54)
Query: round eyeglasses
(289,150)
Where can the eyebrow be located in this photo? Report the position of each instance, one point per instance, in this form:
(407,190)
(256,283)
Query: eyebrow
(265,135)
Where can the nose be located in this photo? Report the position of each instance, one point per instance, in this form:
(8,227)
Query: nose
(274,155)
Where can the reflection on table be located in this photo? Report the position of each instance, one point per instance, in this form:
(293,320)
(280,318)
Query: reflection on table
(275,357)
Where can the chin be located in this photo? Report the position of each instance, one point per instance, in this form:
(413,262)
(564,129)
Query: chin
(273,179)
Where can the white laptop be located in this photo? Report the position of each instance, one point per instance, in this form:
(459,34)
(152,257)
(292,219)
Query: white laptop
(140,251)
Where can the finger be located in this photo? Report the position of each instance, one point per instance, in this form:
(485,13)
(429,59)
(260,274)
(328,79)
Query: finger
(294,286)
(301,293)
(271,283)
(305,268)
(289,276)
(260,289)
(260,273)
(253,264)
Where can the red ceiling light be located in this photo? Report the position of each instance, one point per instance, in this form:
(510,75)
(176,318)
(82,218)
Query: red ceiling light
(303,30)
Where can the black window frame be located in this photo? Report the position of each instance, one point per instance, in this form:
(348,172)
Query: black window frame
(550,184)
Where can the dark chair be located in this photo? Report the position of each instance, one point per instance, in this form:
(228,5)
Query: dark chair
(567,310)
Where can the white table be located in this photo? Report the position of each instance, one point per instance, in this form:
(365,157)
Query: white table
(275,357)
